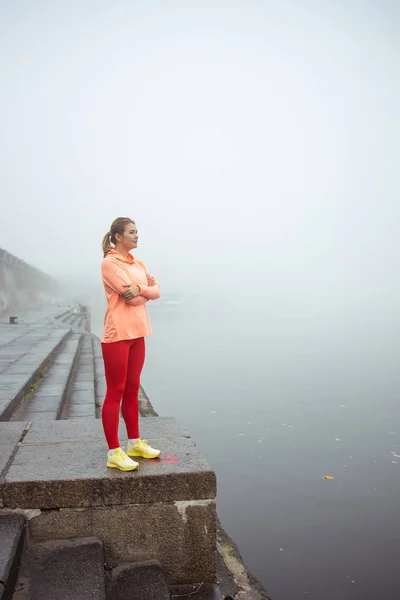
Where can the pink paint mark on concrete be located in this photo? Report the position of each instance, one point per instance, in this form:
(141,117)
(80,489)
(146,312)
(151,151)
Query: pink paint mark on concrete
(167,458)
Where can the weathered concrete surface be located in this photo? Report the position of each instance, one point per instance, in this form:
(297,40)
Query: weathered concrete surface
(86,386)
(199,591)
(10,435)
(91,430)
(43,416)
(54,387)
(181,535)
(41,354)
(74,474)
(31,352)
(43,402)
(165,510)
(82,410)
(82,402)
(99,379)
(82,396)
(62,570)
(12,530)
(141,581)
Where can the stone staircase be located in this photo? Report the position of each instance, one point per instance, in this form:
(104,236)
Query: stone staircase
(81,399)
(51,367)
(22,362)
(47,367)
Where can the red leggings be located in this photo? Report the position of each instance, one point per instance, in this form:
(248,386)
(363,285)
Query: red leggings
(123,363)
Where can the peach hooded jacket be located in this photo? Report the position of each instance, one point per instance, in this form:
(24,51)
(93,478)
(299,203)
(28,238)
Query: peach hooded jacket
(126,320)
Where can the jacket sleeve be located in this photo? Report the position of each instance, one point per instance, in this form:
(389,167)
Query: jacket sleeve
(117,280)
(151,291)
(137,301)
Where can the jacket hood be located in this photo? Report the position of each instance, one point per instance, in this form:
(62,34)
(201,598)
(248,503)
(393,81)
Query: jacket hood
(129,260)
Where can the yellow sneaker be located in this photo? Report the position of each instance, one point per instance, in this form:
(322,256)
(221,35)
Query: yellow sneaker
(143,449)
(120,460)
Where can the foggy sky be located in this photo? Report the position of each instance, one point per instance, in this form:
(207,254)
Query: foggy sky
(256,144)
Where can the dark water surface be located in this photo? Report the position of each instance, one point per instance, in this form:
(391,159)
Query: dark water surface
(276,404)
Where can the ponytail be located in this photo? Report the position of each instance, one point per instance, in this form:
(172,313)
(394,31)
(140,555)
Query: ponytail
(106,245)
(117,227)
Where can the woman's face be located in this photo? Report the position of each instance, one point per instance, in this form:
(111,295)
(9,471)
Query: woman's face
(130,238)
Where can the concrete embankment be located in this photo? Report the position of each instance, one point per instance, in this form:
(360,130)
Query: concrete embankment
(70,528)
(24,286)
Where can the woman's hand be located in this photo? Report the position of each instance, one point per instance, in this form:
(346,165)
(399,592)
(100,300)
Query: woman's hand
(132,292)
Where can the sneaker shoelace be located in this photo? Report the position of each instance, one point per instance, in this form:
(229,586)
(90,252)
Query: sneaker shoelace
(123,455)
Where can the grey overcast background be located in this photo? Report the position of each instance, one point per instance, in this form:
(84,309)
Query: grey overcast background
(256,144)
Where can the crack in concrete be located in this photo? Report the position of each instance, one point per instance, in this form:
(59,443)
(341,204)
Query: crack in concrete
(12,456)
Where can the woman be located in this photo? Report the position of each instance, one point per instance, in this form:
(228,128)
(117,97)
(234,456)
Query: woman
(128,286)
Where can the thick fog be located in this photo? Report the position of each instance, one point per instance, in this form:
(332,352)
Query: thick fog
(256,144)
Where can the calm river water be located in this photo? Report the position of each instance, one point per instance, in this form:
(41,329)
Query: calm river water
(276,403)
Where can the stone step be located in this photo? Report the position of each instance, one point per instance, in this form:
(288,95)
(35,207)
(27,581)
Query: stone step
(16,341)
(70,317)
(62,570)
(81,397)
(63,314)
(64,317)
(76,318)
(99,377)
(140,581)
(82,322)
(12,533)
(53,390)
(30,355)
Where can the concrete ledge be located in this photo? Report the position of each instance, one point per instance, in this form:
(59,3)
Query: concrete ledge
(75,475)
(163,511)
(64,465)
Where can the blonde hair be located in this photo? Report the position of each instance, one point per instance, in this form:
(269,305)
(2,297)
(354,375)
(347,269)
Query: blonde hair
(117,226)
